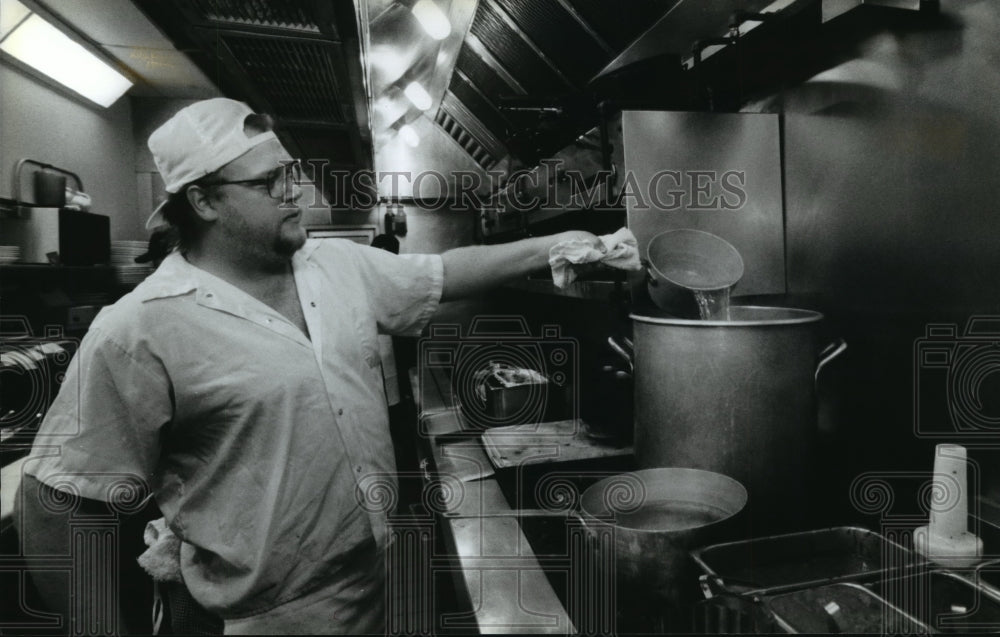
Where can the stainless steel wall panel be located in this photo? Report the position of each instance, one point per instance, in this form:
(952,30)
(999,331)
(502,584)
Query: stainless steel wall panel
(891,163)
(724,177)
(893,227)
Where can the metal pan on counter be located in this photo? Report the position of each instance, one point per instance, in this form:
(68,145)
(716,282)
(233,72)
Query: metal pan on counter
(944,601)
(844,607)
(792,561)
(928,601)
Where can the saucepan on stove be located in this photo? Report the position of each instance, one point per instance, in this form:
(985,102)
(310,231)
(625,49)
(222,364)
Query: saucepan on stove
(645,522)
(650,518)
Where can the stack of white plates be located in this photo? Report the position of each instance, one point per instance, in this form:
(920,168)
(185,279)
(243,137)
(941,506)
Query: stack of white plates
(127,271)
(132,274)
(125,252)
(10,254)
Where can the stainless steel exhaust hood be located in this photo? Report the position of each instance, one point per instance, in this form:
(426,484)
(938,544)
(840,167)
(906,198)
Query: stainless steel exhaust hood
(687,22)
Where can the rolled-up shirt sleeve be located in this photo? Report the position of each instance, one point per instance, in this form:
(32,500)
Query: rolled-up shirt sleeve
(102,434)
(403,290)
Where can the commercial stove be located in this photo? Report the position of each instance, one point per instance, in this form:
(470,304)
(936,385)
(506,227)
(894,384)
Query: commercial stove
(522,563)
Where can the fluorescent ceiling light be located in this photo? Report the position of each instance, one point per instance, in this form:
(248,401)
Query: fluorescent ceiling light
(417,94)
(432,19)
(409,135)
(48,50)
(12,13)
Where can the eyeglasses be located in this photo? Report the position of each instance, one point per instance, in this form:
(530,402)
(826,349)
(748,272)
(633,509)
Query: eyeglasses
(279,182)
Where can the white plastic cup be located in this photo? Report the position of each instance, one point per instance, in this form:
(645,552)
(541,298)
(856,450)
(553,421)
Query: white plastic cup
(949,514)
(946,539)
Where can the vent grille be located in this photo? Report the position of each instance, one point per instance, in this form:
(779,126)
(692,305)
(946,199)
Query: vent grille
(465,139)
(516,56)
(559,36)
(480,107)
(480,73)
(295,76)
(288,14)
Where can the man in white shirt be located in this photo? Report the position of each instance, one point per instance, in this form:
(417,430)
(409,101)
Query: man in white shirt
(240,384)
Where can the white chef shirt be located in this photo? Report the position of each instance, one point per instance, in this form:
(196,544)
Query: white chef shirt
(268,453)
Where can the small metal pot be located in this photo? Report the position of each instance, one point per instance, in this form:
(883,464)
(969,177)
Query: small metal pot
(680,263)
(636,530)
(652,517)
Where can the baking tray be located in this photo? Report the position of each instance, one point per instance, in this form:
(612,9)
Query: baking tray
(843,607)
(945,601)
(781,563)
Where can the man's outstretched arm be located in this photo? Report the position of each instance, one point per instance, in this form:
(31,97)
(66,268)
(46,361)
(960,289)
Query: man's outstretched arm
(475,269)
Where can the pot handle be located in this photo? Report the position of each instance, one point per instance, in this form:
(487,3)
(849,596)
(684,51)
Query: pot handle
(523,513)
(709,584)
(647,267)
(613,344)
(828,353)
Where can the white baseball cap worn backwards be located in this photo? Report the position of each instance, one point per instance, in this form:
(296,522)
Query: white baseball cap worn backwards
(197,140)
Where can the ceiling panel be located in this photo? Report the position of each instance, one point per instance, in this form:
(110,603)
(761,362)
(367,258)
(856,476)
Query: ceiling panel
(115,22)
(163,73)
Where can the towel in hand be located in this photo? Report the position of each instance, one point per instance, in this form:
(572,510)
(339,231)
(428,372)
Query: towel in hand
(162,560)
(619,250)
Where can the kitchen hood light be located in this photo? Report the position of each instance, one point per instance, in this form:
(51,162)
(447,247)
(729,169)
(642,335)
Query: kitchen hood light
(417,94)
(389,61)
(409,136)
(432,19)
(48,50)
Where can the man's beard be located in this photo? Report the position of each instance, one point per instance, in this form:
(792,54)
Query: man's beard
(286,245)
(273,254)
